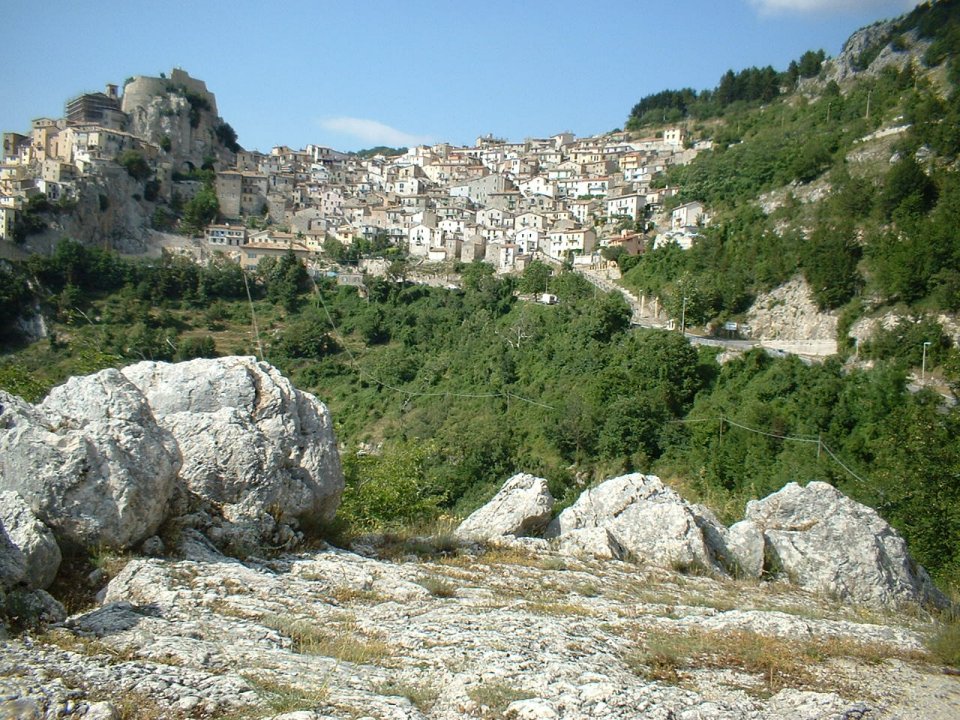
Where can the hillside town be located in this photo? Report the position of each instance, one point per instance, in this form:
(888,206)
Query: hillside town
(562,198)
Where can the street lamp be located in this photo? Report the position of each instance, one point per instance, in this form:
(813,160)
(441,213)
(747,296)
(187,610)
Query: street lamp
(683,318)
(923,365)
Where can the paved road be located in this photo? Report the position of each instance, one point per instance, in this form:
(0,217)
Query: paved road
(809,349)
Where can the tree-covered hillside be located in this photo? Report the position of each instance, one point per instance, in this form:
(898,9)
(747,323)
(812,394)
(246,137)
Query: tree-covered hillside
(439,395)
(859,181)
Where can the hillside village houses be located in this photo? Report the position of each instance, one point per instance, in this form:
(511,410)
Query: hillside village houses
(503,202)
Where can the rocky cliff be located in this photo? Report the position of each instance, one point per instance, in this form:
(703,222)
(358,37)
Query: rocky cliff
(787,318)
(179,115)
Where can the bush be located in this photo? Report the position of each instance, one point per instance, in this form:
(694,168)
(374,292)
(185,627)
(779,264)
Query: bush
(389,489)
(135,165)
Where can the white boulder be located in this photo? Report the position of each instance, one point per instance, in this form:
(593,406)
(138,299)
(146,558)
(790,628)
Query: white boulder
(745,547)
(34,540)
(594,542)
(826,542)
(646,519)
(253,445)
(90,461)
(521,507)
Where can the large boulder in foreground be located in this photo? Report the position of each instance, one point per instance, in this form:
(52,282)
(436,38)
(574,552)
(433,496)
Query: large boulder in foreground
(252,444)
(13,566)
(644,519)
(824,541)
(40,551)
(522,507)
(90,460)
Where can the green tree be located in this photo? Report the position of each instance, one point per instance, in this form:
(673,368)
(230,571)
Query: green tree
(389,489)
(829,261)
(285,278)
(535,278)
(907,190)
(201,210)
(135,164)
(201,346)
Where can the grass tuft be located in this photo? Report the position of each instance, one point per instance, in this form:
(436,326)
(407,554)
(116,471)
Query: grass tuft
(944,644)
(494,697)
(283,698)
(438,587)
(344,641)
(423,696)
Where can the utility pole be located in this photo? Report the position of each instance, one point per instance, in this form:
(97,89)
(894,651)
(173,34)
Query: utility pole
(923,365)
(683,318)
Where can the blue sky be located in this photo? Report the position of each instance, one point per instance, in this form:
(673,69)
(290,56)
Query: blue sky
(353,75)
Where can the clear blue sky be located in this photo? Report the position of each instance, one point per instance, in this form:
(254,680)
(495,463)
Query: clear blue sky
(352,75)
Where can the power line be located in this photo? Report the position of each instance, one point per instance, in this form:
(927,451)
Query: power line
(792,438)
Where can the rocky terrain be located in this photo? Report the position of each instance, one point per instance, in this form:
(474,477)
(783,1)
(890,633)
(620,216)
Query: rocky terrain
(787,318)
(206,601)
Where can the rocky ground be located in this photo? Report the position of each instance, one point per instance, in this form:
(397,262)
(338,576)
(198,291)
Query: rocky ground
(411,631)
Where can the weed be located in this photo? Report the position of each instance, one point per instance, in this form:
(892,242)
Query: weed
(587,589)
(553,563)
(423,696)
(343,641)
(347,594)
(494,697)
(694,567)
(944,644)
(137,706)
(283,698)
(86,645)
(559,609)
(438,587)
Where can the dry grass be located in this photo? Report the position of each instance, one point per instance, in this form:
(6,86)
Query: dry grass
(346,594)
(345,641)
(501,555)
(422,695)
(944,644)
(779,663)
(438,587)
(494,697)
(86,645)
(283,698)
(557,608)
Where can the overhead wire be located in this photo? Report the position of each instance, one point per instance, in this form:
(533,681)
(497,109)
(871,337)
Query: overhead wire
(810,439)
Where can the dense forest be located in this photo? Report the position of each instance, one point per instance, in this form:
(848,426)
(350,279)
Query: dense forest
(439,395)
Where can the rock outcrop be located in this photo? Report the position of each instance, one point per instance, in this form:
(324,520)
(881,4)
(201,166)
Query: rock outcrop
(226,446)
(825,542)
(90,460)
(870,50)
(253,446)
(331,634)
(642,517)
(523,506)
(787,318)
(40,551)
